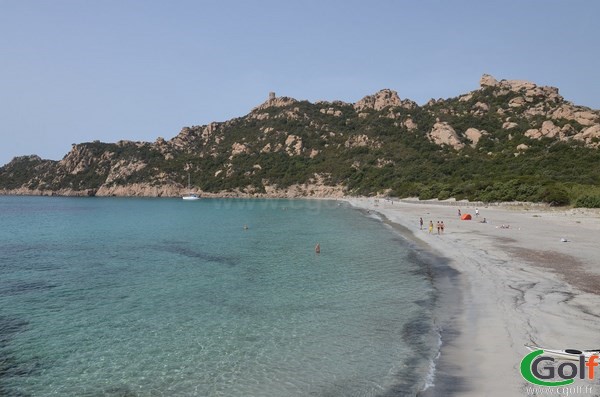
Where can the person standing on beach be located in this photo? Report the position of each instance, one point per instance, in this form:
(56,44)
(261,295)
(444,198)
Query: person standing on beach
(439,226)
(476,213)
(430,227)
(459,214)
(421,223)
(442,226)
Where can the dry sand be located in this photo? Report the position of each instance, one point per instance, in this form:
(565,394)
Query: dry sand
(515,286)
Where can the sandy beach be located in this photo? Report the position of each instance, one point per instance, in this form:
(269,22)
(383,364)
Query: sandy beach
(529,275)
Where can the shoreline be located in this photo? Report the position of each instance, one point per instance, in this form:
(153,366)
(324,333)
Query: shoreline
(514,285)
(444,280)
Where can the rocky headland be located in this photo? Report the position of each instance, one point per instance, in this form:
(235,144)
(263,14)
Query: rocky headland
(382,144)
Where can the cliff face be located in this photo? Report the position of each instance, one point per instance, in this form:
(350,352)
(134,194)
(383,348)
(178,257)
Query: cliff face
(290,148)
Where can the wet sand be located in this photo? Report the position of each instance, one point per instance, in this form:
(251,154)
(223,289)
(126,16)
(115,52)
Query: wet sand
(513,285)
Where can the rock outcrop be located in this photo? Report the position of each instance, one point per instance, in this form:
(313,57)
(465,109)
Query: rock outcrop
(382,99)
(582,116)
(443,134)
(590,136)
(238,148)
(474,135)
(276,102)
(527,88)
(532,102)
(293,145)
(487,81)
(332,112)
(550,130)
(410,124)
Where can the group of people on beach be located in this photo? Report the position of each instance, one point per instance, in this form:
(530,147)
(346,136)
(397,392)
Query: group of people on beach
(440,226)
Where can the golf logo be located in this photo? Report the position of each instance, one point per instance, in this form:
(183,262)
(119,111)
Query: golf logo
(538,367)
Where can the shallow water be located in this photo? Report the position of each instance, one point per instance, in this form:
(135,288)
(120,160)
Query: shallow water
(161,297)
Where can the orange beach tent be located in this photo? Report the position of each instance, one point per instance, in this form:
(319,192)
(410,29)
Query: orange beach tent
(465,217)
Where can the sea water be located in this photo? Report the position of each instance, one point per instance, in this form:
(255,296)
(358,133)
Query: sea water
(165,297)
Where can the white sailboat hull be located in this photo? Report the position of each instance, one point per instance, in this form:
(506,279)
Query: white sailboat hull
(191,196)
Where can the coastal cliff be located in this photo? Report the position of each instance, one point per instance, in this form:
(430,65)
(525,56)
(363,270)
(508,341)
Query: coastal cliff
(507,140)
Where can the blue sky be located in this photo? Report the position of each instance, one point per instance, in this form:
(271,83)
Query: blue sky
(75,71)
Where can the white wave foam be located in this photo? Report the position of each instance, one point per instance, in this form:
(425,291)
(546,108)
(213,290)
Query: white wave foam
(430,378)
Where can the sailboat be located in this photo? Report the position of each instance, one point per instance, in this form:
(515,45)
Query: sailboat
(190,196)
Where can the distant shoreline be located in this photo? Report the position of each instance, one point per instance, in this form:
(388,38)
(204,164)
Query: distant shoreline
(145,190)
(293,193)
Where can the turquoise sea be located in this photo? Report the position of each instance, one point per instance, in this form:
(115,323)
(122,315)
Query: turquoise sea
(163,297)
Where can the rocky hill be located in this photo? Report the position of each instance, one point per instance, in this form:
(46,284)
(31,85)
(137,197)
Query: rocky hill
(507,140)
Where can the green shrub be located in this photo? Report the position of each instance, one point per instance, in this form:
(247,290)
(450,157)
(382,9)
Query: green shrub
(555,195)
(588,201)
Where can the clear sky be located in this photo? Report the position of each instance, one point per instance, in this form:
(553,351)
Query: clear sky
(75,71)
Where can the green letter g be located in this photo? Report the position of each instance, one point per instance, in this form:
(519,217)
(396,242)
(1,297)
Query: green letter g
(528,375)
